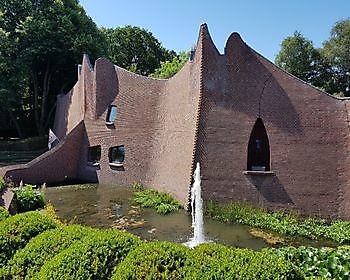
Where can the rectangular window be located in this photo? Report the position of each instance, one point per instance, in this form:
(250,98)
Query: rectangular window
(116,155)
(94,155)
(111,115)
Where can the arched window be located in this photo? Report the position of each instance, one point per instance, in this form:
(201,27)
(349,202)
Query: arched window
(111,114)
(258,148)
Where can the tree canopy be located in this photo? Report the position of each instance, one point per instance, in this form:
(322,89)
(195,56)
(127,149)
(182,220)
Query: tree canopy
(328,67)
(170,67)
(135,49)
(42,42)
(336,50)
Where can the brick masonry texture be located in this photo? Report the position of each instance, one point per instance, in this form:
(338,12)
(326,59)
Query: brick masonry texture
(205,113)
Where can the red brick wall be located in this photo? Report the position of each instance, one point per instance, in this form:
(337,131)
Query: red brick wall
(307,130)
(56,165)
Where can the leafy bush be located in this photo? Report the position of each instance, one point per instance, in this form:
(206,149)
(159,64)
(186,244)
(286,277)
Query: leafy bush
(326,263)
(162,202)
(93,257)
(213,261)
(280,222)
(17,230)
(153,260)
(2,184)
(28,199)
(40,249)
(4,214)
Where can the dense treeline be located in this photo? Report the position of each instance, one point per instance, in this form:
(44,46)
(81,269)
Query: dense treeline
(327,68)
(42,42)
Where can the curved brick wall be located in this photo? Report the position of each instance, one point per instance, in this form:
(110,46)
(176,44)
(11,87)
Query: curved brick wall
(206,113)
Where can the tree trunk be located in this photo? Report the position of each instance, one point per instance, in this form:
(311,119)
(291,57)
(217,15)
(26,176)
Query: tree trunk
(15,121)
(46,89)
(35,99)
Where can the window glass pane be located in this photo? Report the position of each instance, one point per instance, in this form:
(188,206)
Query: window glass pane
(94,153)
(117,154)
(113,112)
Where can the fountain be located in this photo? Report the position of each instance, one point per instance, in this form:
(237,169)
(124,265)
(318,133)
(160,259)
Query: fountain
(197,211)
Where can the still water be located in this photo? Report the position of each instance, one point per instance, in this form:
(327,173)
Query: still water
(108,206)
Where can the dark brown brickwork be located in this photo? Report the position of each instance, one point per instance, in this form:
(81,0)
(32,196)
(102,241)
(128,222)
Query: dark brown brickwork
(206,113)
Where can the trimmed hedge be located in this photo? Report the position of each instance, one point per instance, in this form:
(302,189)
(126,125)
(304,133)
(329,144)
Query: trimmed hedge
(4,214)
(40,249)
(213,261)
(93,257)
(280,222)
(164,260)
(17,230)
(154,260)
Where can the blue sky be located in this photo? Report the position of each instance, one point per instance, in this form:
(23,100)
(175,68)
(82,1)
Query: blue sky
(263,24)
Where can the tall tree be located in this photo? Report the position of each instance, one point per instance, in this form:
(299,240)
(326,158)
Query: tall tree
(299,57)
(47,39)
(337,52)
(170,67)
(135,49)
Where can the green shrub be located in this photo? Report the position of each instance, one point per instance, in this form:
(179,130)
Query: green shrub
(2,184)
(280,222)
(17,230)
(93,257)
(4,214)
(213,261)
(162,202)
(40,249)
(153,260)
(28,199)
(325,263)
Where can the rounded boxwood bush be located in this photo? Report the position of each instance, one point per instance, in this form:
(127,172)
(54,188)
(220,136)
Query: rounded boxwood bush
(17,230)
(4,214)
(40,249)
(93,257)
(213,261)
(153,260)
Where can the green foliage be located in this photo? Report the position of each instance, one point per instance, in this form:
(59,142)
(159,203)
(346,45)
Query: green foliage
(162,202)
(154,260)
(17,230)
(170,67)
(336,51)
(137,186)
(42,248)
(299,57)
(93,257)
(28,198)
(280,222)
(2,184)
(164,260)
(326,263)
(135,49)
(213,261)
(41,44)
(4,214)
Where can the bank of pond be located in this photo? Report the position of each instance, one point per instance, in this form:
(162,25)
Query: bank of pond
(86,239)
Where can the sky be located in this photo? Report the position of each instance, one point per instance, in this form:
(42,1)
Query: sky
(262,24)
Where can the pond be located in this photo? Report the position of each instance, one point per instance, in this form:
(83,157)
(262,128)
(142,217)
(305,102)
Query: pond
(108,206)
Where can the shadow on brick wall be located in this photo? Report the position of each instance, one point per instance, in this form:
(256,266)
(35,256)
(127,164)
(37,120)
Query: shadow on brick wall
(271,189)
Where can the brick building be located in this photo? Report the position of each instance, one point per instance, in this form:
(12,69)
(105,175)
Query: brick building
(260,134)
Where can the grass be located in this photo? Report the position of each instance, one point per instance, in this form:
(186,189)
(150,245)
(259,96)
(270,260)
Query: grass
(281,222)
(162,202)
